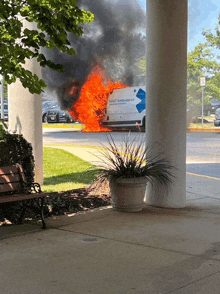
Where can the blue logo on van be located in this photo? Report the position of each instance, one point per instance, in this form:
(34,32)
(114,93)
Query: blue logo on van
(141,94)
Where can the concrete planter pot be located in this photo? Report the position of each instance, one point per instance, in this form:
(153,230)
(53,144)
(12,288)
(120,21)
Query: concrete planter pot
(128,194)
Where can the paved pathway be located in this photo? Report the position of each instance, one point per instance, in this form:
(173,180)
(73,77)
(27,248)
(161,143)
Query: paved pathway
(155,251)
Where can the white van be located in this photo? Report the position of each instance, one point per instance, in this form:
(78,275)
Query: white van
(126,108)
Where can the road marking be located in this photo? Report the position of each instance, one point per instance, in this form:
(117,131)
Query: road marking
(201,176)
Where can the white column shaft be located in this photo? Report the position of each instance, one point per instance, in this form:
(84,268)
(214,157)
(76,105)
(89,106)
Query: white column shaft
(166,94)
(25,116)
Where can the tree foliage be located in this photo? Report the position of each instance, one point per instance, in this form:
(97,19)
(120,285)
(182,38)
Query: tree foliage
(202,61)
(141,65)
(53,19)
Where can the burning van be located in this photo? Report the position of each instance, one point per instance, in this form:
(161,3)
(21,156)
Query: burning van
(92,101)
(126,108)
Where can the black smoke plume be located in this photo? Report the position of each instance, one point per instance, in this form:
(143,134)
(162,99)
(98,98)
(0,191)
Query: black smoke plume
(115,41)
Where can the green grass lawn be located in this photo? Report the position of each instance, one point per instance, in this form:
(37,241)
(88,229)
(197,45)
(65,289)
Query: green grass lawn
(64,126)
(205,126)
(64,171)
(208,125)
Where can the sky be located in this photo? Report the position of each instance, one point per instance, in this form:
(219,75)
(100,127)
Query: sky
(202,14)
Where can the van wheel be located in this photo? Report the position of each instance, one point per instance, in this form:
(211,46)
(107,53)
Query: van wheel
(143,125)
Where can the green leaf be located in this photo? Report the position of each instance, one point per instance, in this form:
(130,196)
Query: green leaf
(73,2)
(25,11)
(54,18)
(71,51)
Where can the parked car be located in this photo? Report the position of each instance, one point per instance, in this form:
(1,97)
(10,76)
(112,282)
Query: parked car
(5,111)
(215,105)
(57,115)
(46,105)
(217,118)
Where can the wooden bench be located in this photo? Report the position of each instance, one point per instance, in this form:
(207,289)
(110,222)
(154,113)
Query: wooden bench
(13,188)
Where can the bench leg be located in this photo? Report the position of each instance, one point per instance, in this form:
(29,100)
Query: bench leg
(44,226)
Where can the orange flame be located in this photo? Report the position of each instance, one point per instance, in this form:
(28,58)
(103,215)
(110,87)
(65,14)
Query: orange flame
(90,107)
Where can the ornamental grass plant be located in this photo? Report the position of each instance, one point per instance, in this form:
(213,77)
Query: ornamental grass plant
(132,159)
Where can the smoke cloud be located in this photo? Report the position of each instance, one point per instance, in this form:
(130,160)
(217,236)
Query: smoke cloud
(115,41)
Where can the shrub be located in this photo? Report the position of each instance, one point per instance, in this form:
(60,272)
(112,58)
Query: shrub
(15,149)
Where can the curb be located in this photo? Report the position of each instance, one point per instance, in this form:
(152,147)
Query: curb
(203,130)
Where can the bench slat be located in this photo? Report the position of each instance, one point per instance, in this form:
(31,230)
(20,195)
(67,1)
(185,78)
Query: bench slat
(8,169)
(10,187)
(18,197)
(9,178)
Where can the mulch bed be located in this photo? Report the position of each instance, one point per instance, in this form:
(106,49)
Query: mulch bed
(60,203)
(76,200)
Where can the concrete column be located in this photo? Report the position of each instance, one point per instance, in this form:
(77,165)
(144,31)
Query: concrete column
(166,94)
(25,115)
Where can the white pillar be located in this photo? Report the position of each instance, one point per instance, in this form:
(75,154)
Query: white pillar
(166,94)
(25,116)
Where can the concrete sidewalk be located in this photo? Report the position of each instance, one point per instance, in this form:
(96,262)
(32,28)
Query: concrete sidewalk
(103,251)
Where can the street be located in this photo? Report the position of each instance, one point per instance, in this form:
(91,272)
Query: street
(203,154)
(202,149)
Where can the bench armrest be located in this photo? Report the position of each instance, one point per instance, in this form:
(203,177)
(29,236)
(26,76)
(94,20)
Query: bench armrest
(35,188)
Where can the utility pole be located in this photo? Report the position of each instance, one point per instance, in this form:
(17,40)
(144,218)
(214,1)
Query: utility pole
(202,84)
